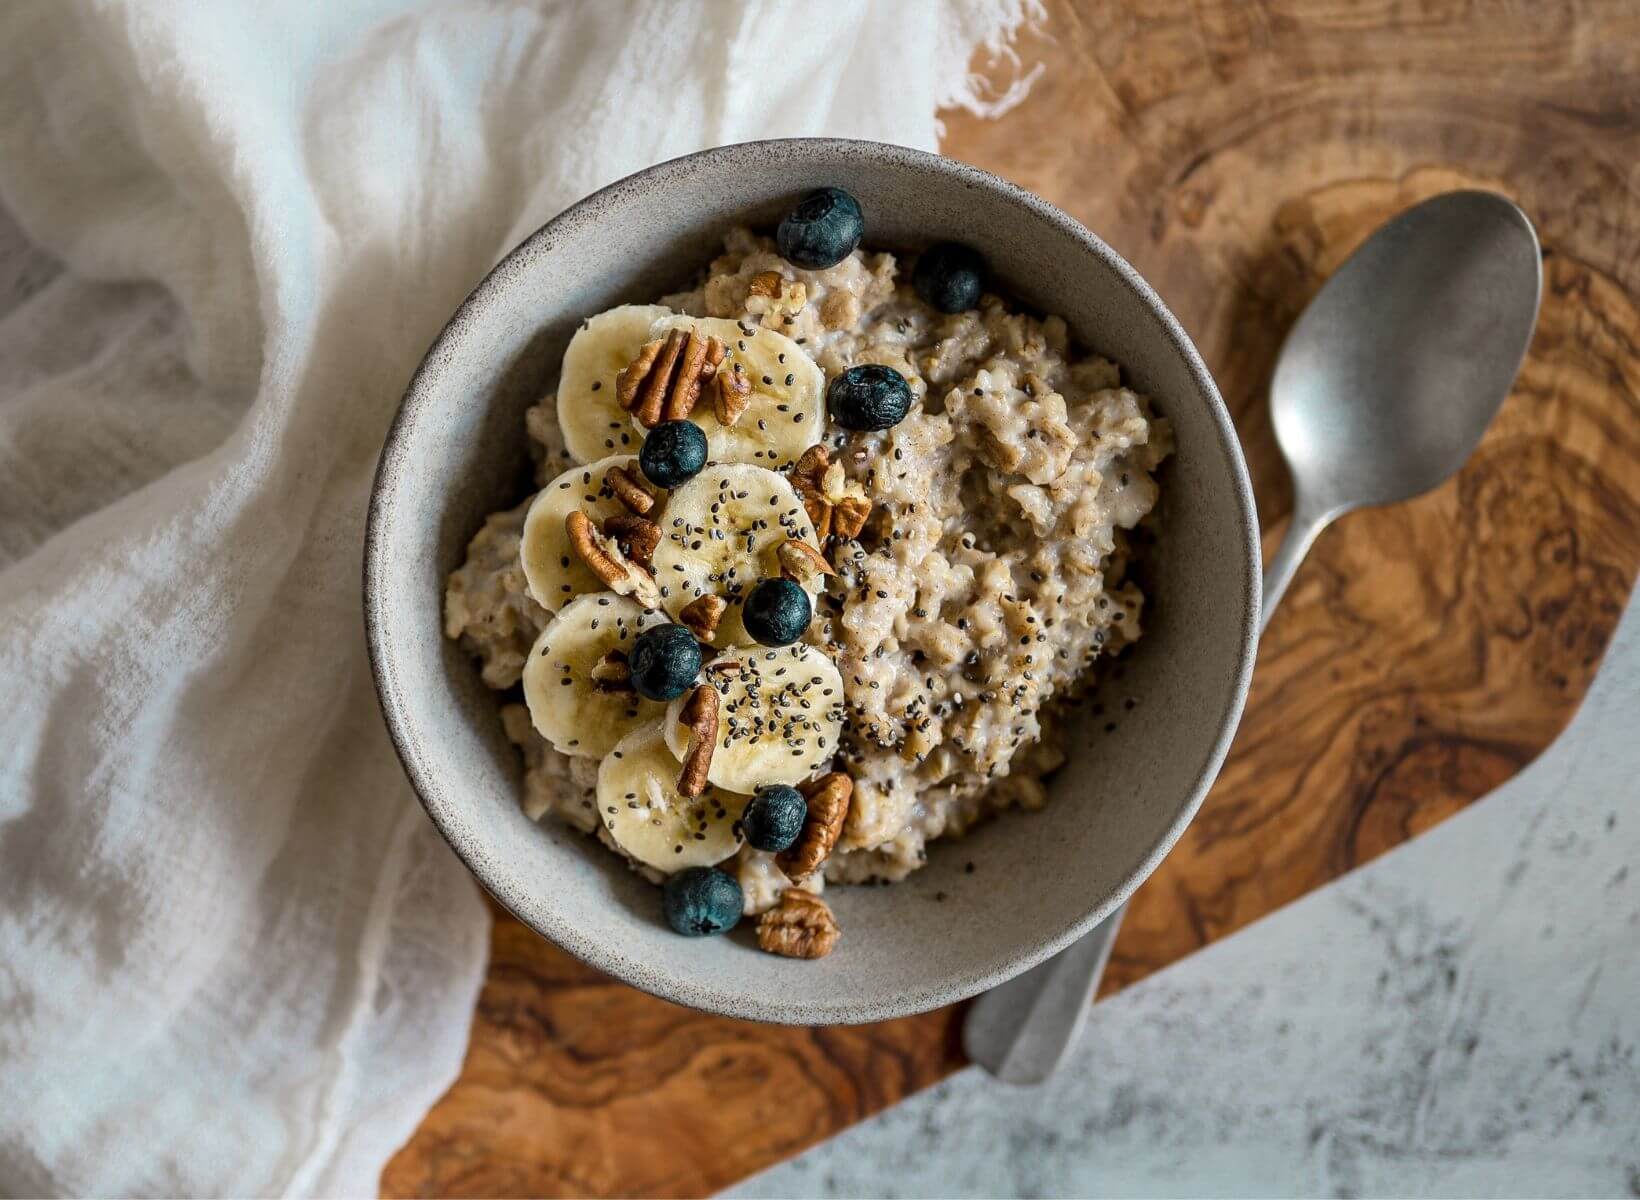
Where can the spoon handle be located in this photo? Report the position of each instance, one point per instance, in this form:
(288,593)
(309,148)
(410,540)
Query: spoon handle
(1302,530)
(1021,1030)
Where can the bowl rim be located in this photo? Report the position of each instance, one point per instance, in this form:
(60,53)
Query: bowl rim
(798,1009)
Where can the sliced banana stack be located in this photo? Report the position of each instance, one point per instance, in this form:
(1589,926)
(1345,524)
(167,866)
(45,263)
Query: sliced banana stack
(779,717)
(569,706)
(640,805)
(591,417)
(721,533)
(785,409)
(553,571)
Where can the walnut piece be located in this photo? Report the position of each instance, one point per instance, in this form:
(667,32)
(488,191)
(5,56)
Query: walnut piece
(663,382)
(702,614)
(828,798)
(630,490)
(800,926)
(699,715)
(638,535)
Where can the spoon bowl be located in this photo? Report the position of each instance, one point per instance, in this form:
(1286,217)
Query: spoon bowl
(1392,373)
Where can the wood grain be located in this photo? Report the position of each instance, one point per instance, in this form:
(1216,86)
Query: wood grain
(1235,153)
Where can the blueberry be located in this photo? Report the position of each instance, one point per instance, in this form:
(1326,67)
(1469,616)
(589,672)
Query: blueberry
(664,662)
(774,817)
(822,230)
(950,277)
(869,396)
(673,453)
(777,612)
(700,901)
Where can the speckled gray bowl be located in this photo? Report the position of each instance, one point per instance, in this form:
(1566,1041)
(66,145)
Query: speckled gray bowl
(457,452)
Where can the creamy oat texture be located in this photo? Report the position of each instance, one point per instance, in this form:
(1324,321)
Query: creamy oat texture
(991,575)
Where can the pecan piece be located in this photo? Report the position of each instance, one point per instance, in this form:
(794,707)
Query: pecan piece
(828,798)
(766,283)
(849,516)
(699,715)
(611,673)
(629,490)
(801,562)
(638,535)
(702,614)
(731,396)
(604,559)
(800,926)
(836,507)
(663,382)
(808,481)
(810,468)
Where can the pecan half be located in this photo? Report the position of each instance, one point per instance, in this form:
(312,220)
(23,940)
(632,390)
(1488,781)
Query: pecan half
(800,926)
(702,614)
(828,798)
(611,673)
(629,490)
(732,395)
(801,562)
(604,559)
(699,715)
(638,535)
(663,382)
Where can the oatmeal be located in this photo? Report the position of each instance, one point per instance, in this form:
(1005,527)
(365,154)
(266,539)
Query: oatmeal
(942,574)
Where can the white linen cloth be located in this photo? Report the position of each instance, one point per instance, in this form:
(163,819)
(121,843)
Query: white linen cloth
(235,958)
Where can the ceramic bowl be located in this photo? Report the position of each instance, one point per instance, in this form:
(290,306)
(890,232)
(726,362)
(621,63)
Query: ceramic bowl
(456,452)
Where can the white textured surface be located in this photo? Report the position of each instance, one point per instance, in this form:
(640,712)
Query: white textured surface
(234,956)
(1459,1017)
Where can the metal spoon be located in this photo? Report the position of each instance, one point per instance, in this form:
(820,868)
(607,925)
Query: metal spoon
(1381,392)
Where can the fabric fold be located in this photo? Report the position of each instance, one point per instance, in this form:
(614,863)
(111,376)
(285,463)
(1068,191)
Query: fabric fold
(234,955)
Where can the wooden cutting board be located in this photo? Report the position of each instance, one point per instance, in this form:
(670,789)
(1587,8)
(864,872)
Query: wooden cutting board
(1235,152)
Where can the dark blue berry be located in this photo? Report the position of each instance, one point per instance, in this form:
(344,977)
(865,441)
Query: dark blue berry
(664,662)
(869,396)
(822,230)
(700,901)
(673,453)
(774,817)
(777,612)
(949,276)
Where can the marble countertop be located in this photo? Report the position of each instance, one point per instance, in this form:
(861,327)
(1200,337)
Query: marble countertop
(1459,1017)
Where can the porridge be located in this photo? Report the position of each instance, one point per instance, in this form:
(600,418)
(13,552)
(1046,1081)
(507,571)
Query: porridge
(820,550)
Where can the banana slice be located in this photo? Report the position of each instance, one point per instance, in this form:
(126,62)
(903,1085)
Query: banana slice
(779,716)
(787,410)
(720,533)
(640,805)
(593,421)
(567,707)
(553,571)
